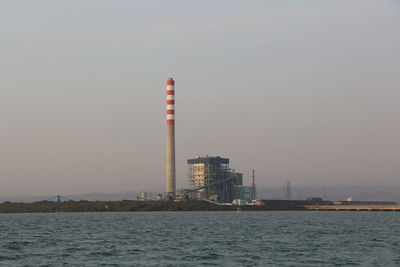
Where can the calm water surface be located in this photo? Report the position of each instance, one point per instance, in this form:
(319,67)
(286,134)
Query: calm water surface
(201,238)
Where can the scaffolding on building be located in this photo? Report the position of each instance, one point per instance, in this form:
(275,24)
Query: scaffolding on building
(206,170)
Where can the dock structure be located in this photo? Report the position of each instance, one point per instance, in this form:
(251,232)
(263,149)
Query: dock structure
(355,207)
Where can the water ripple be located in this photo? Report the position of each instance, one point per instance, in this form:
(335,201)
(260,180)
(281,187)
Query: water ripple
(201,238)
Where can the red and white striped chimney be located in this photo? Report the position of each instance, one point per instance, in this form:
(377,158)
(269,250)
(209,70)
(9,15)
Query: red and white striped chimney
(170,159)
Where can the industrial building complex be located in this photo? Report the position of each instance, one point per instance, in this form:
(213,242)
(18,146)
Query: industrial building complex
(210,178)
(212,185)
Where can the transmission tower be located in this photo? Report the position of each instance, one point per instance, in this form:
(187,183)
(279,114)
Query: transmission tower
(254,184)
(288,190)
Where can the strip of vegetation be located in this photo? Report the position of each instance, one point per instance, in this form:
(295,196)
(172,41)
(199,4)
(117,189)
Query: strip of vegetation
(131,206)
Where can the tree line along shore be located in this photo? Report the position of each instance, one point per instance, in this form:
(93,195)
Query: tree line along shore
(132,206)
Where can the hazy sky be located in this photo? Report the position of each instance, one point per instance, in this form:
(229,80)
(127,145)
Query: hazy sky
(301,90)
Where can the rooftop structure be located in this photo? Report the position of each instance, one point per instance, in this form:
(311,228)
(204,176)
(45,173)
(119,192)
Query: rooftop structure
(209,160)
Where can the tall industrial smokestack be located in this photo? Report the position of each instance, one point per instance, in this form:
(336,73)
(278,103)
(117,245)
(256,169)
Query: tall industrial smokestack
(170,171)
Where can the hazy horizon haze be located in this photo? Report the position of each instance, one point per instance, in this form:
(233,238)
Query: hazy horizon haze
(300,90)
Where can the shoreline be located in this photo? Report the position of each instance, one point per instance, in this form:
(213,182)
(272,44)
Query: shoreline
(174,206)
(133,206)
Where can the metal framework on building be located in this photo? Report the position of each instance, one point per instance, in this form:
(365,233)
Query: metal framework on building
(204,171)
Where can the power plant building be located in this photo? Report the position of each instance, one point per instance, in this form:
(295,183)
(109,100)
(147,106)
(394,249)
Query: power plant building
(213,178)
(209,177)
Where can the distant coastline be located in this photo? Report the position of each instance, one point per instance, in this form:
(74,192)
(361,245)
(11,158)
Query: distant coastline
(132,206)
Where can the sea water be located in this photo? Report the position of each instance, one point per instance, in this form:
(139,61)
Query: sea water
(201,239)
